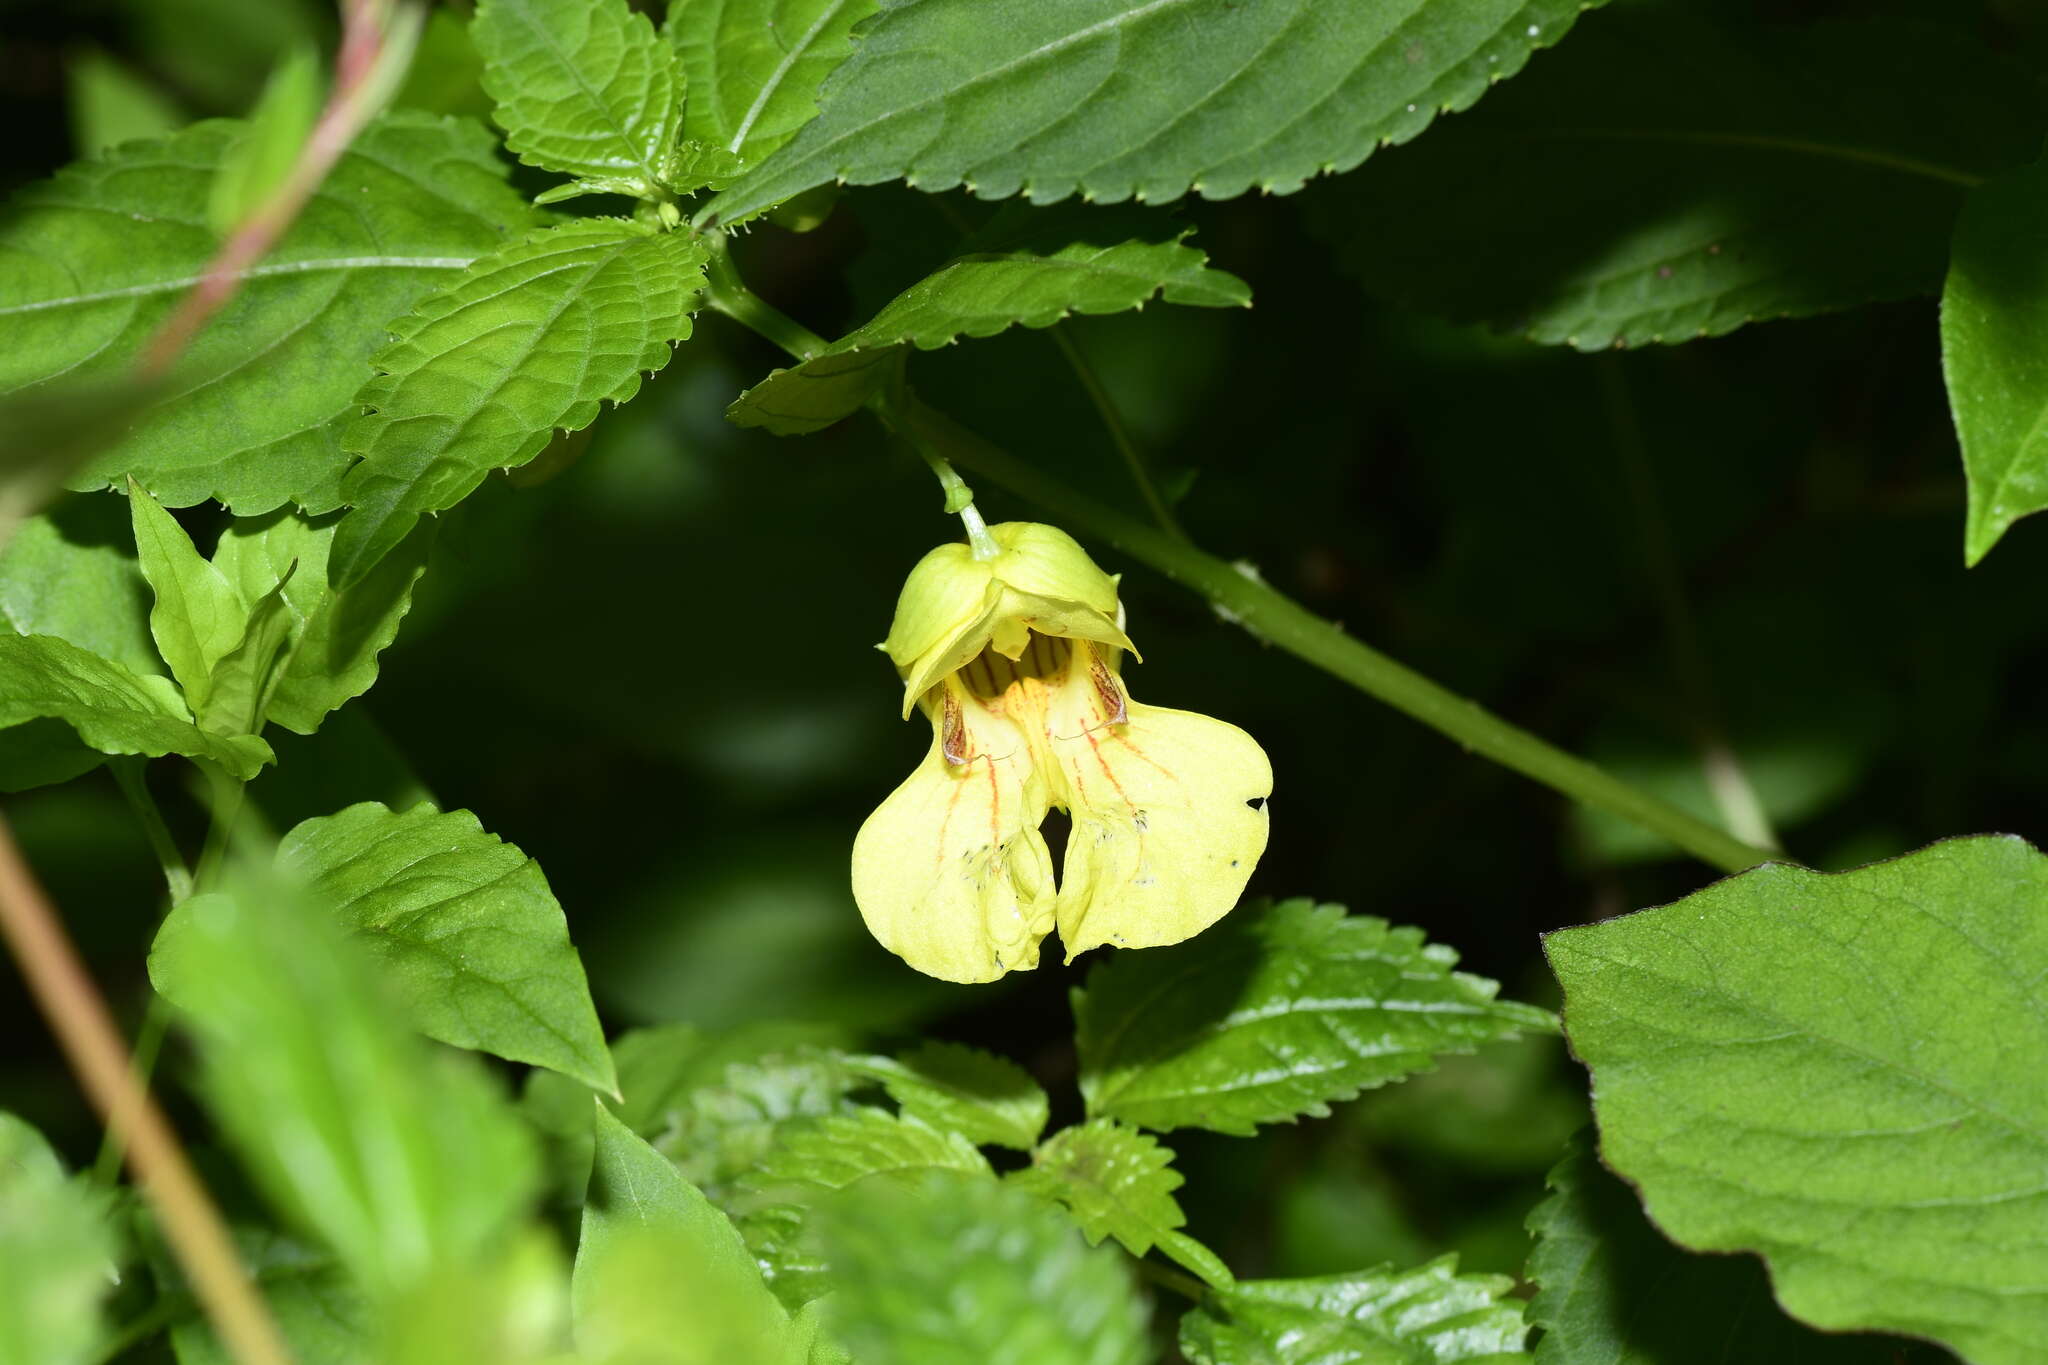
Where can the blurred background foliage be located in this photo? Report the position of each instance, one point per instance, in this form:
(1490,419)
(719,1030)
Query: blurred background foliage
(654,671)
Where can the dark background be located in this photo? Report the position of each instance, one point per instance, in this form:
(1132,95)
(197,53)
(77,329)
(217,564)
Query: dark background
(655,672)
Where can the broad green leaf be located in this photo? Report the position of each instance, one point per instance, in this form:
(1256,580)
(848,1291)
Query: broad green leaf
(1273,1014)
(98,256)
(1071,263)
(463,926)
(1994,353)
(1614,1292)
(198,617)
(71,573)
(336,633)
(948,1267)
(1428,1316)
(405,1162)
(1115,99)
(1887,1018)
(754,66)
(56,1255)
(1670,175)
(584,87)
(482,374)
(982,1097)
(112,710)
(1119,1182)
(323,1316)
(647,1233)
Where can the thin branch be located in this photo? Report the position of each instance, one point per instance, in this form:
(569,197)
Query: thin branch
(92,1044)
(129,773)
(1119,434)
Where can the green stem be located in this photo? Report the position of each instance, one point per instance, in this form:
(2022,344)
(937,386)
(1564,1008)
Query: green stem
(1239,595)
(725,292)
(1119,434)
(224,797)
(169,1309)
(177,873)
(149,1042)
(1178,1281)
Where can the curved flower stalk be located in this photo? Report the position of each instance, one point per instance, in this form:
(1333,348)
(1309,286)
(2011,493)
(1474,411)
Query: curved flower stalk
(1015,658)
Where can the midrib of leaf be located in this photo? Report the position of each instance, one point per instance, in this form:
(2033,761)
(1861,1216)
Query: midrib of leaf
(791,56)
(1827,151)
(1969,1104)
(251,273)
(597,100)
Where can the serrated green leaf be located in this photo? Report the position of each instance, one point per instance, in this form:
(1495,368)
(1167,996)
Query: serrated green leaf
(110,709)
(323,1316)
(70,573)
(1027,269)
(1880,1017)
(754,66)
(720,1130)
(1993,355)
(198,617)
(56,1255)
(533,338)
(404,1162)
(99,256)
(242,681)
(1119,1182)
(1673,173)
(832,1152)
(463,926)
(647,1231)
(1614,1292)
(982,1097)
(1428,1316)
(584,87)
(1115,99)
(948,1267)
(336,633)
(1273,1014)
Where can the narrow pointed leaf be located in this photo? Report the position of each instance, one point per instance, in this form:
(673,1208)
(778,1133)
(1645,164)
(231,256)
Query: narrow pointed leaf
(1119,1182)
(1427,1316)
(754,66)
(111,710)
(1614,1292)
(1994,353)
(532,339)
(982,1097)
(948,1267)
(1273,1014)
(1903,997)
(463,926)
(198,617)
(336,633)
(101,254)
(1674,173)
(1073,263)
(246,675)
(584,87)
(1114,99)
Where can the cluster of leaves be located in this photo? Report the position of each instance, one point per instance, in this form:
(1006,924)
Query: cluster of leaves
(1815,1069)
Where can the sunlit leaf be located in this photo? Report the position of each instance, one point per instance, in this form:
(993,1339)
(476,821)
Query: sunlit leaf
(1119,1182)
(530,340)
(983,1097)
(1826,1070)
(754,66)
(1428,1316)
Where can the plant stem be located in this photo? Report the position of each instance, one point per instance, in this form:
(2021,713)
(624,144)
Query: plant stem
(224,797)
(726,293)
(149,1042)
(92,1045)
(1178,1281)
(1119,434)
(177,873)
(1240,596)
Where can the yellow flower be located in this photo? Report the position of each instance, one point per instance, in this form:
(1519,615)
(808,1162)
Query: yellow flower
(1015,659)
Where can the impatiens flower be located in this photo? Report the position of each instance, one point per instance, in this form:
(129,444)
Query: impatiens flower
(1015,659)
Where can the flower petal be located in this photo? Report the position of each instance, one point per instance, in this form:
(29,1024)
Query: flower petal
(950,872)
(1163,837)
